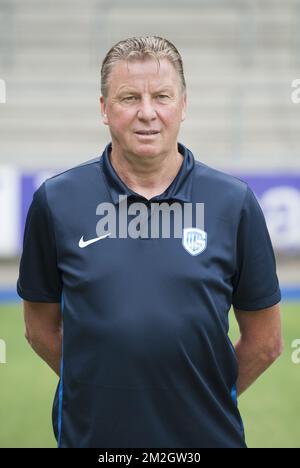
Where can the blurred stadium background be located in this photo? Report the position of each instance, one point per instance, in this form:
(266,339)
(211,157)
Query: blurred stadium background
(240,58)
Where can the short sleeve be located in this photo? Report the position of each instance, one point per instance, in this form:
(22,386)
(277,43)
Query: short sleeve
(255,284)
(39,277)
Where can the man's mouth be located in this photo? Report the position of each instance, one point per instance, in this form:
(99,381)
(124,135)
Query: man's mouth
(147,132)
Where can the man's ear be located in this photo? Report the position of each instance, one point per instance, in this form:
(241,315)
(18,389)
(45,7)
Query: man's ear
(103,110)
(184,105)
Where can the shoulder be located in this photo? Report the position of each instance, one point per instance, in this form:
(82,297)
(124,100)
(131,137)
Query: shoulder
(218,179)
(67,188)
(75,173)
(219,185)
(76,181)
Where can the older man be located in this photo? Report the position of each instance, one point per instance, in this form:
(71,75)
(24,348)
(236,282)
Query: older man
(135,324)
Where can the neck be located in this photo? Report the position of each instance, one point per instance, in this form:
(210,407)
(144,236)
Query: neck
(148,176)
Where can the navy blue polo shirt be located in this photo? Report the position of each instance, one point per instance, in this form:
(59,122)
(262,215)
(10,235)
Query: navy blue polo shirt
(147,361)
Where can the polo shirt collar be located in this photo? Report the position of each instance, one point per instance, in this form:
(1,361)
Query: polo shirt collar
(180,189)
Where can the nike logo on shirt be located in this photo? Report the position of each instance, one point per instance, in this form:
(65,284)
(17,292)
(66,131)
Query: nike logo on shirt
(83,243)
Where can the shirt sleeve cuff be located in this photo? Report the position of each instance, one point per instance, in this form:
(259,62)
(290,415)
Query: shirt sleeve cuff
(34,296)
(262,303)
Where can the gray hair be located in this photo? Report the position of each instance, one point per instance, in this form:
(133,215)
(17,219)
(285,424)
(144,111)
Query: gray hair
(139,48)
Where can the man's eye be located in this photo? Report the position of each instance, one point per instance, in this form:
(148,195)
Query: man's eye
(129,98)
(162,96)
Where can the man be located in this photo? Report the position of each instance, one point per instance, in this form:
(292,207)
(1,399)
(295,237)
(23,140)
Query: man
(136,326)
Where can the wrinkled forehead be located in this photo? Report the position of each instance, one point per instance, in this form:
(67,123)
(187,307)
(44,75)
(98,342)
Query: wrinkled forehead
(138,72)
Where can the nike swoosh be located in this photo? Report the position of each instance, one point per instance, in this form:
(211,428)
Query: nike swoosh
(83,243)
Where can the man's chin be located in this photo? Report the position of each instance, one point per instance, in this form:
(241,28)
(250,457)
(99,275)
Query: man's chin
(147,150)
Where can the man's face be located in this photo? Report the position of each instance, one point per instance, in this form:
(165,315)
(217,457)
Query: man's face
(143,98)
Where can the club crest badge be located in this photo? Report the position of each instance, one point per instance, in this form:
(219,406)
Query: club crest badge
(194,240)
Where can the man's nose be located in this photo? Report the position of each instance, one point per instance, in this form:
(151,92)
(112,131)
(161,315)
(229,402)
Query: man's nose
(147,109)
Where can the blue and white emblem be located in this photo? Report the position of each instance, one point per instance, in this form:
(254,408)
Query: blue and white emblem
(194,240)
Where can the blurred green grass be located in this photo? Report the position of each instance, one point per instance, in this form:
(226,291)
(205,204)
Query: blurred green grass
(27,388)
(270,408)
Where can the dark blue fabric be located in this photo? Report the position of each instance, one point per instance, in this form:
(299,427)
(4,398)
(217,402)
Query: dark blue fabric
(147,358)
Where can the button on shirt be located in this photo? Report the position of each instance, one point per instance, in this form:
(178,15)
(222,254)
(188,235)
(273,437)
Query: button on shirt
(146,358)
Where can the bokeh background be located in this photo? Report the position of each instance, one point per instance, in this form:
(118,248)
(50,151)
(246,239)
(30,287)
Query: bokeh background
(241,59)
